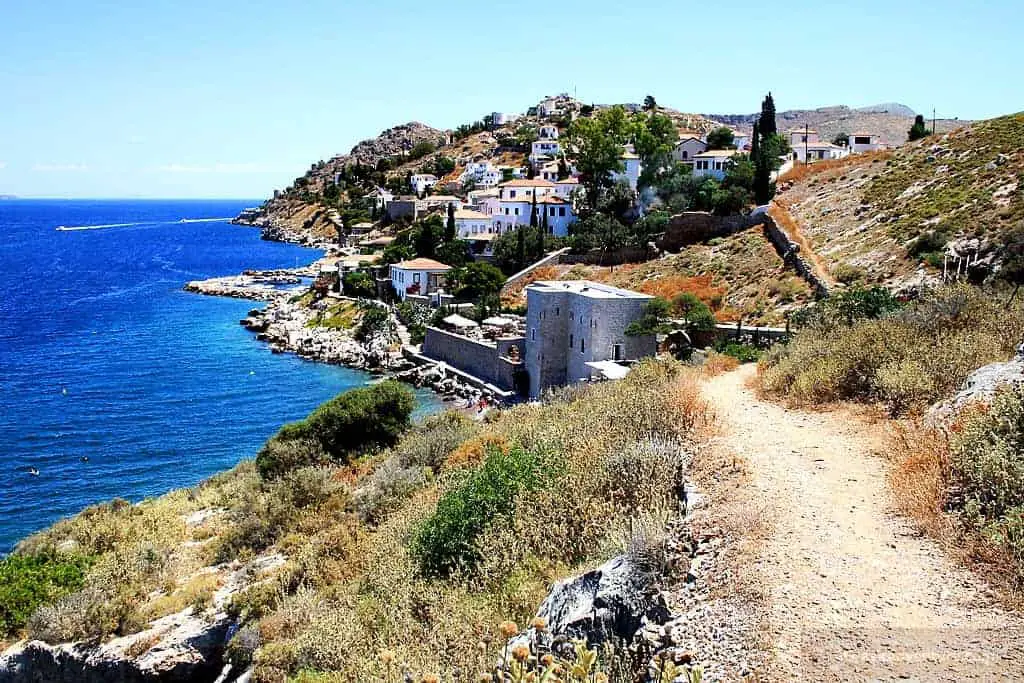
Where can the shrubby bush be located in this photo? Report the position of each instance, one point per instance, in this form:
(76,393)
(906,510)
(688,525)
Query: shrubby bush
(907,358)
(446,542)
(27,581)
(353,423)
(987,471)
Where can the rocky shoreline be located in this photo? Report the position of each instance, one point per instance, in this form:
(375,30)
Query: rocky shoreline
(289,326)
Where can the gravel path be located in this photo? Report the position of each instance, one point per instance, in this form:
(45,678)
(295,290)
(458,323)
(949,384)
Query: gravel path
(852,592)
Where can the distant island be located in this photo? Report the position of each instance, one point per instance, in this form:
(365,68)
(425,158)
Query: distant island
(8,196)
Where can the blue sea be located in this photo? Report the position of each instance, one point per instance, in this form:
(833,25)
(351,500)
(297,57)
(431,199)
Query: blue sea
(113,381)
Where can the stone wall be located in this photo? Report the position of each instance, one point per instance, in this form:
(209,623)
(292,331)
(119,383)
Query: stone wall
(611,258)
(551,259)
(481,359)
(790,253)
(691,227)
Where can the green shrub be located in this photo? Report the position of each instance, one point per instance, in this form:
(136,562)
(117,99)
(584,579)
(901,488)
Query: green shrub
(27,581)
(847,274)
(987,472)
(906,359)
(353,423)
(446,542)
(744,353)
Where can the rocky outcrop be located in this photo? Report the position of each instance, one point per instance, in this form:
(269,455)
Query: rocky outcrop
(184,647)
(980,387)
(613,601)
(393,142)
(258,286)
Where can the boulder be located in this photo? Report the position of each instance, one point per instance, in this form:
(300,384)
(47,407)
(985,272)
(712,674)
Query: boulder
(614,601)
(980,387)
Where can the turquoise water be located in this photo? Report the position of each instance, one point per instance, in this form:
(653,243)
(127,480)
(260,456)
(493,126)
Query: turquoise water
(102,356)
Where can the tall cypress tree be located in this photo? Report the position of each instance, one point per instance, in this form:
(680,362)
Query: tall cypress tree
(762,167)
(521,247)
(767,120)
(533,210)
(542,232)
(449,232)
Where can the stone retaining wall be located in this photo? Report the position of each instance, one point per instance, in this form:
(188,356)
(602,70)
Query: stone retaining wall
(790,253)
(486,361)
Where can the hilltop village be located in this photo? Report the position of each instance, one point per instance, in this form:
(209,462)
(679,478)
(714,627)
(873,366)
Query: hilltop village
(460,240)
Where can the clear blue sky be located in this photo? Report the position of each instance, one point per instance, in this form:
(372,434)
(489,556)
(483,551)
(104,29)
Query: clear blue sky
(225,98)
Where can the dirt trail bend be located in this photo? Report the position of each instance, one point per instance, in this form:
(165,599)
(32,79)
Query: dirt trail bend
(852,592)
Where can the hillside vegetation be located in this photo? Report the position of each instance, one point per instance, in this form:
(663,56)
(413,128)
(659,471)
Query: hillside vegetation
(418,549)
(888,217)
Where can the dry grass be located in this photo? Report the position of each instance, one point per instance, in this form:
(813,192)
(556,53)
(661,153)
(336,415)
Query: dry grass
(801,172)
(716,363)
(350,587)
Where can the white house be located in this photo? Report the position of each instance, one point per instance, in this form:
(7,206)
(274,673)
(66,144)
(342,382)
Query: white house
(566,186)
(740,141)
(523,187)
(864,142)
(798,136)
(469,223)
(712,163)
(418,276)
(483,174)
(547,132)
(544,148)
(631,174)
(687,148)
(818,151)
(380,197)
(502,119)
(419,182)
(559,214)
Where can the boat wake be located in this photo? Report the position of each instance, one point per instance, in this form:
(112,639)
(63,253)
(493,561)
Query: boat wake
(76,228)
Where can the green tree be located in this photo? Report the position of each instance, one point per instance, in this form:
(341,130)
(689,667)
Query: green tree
(767,119)
(655,319)
(542,232)
(454,253)
(720,138)
(696,314)
(739,172)
(450,232)
(520,248)
(534,221)
(649,103)
(654,138)
(762,168)
(428,235)
(478,280)
(359,284)
(421,149)
(644,230)
(599,231)
(358,421)
(918,130)
(842,140)
(597,144)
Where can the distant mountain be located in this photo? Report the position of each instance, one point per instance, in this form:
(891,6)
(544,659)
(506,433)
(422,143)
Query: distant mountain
(894,108)
(7,196)
(889,121)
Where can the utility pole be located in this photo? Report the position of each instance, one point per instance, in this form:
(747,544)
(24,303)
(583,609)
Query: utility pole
(933,120)
(807,133)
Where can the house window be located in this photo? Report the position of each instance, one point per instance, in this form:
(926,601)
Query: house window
(561,211)
(557,309)
(572,315)
(533,334)
(511,193)
(551,211)
(685,154)
(583,345)
(617,352)
(571,344)
(415,277)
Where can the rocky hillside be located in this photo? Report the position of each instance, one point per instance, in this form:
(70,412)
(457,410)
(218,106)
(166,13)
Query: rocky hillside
(889,121)
(891,217)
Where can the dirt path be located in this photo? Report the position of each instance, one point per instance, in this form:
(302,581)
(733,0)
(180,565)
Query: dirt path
(852,592)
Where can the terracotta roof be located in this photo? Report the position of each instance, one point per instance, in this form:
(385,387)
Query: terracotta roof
(468,214)
(422,264)
(717,153)
(568,181)
(523,182)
